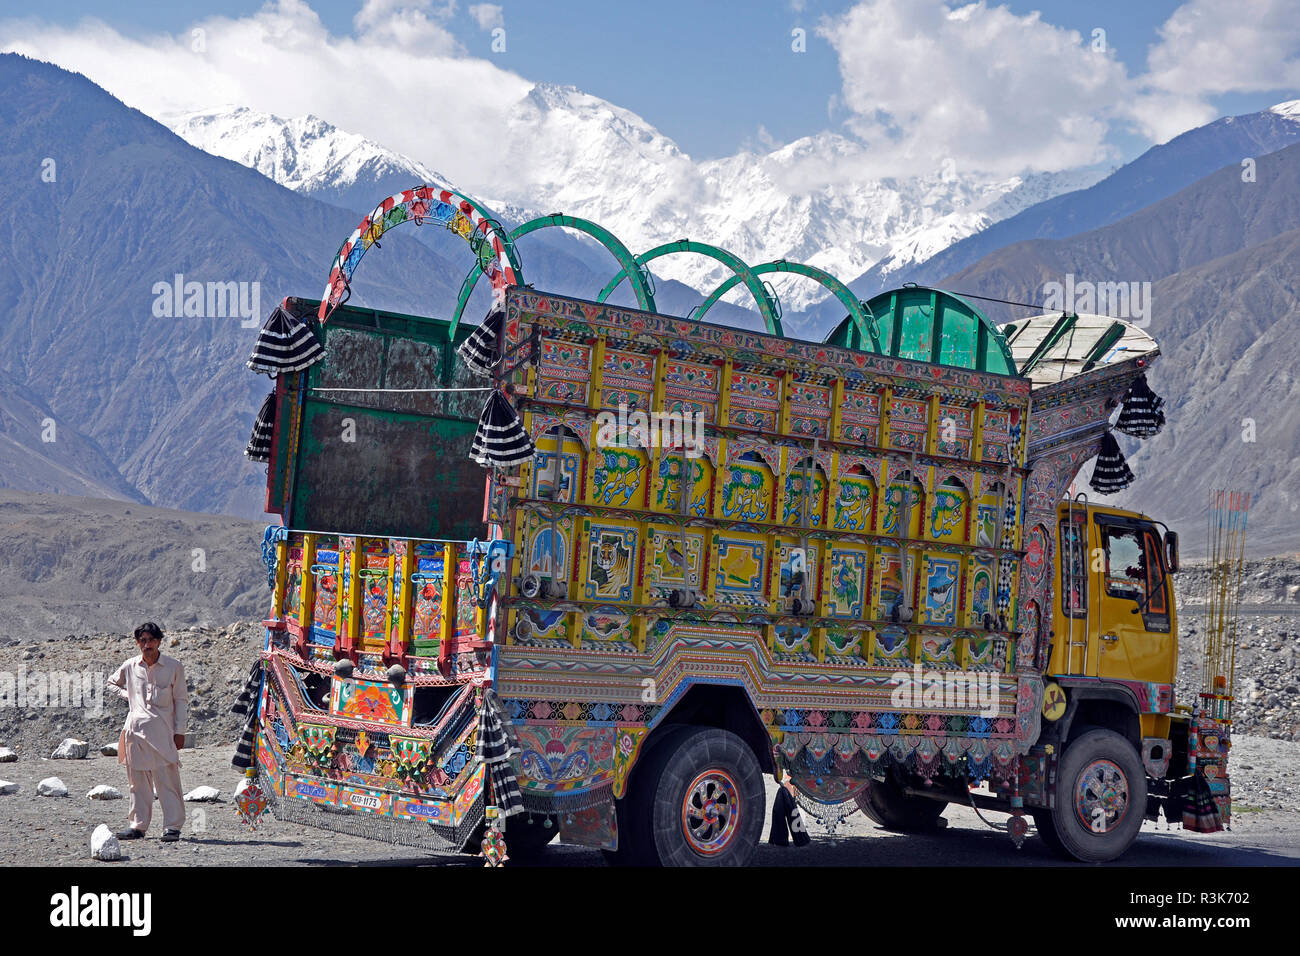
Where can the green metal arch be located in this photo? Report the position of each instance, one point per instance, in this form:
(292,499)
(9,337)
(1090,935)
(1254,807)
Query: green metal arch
(644,294)
(767,306)
(864,320)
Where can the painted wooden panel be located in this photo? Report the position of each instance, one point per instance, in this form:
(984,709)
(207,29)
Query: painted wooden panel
(741,569)
(667,489)
(564,372)
(755,401)
(673,563)
(691,389)
(628,380)
(611,556)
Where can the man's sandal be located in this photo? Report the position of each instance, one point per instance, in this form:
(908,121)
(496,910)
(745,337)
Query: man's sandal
(130,834)
(171,836)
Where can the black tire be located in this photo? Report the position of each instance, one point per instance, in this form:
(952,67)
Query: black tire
(886,804)
(1101,797)
(709,804)
(1047,830)
(634,815)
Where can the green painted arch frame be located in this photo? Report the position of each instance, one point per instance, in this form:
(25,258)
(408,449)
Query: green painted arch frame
(767,306)
(864,320)
(644,293)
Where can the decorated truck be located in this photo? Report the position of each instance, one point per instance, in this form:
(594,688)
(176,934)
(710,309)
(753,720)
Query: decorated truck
(593,571)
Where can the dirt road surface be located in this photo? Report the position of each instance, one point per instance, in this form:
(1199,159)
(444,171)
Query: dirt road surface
(55,831)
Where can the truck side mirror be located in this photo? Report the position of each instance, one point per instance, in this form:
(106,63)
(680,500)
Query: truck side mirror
(1171,550)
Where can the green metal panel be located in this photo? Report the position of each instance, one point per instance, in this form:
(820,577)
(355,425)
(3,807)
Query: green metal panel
(931,325)
(383,463)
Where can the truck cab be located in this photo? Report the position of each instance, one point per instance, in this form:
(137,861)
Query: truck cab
(1114,620)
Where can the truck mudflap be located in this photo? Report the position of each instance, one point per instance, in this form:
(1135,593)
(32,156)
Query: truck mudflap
(373,672)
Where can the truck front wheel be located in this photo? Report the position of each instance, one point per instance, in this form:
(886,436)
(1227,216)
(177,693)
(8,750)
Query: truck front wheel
(709,803)
(1101,798)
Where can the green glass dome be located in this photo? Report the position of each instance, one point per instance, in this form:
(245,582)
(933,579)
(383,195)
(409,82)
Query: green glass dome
(929,325)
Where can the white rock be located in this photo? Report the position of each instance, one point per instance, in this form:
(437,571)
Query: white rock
(104,792)
(8,786)
(202,795)
(7,755)
(109,750)
(104,845)
(52,787)
(71,749)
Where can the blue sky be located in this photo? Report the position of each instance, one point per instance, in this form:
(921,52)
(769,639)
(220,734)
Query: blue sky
(709,75)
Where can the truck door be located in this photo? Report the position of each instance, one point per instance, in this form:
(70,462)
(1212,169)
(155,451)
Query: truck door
(1135,635)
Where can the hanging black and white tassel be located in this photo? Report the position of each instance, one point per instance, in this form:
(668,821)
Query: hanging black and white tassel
(1143,413)
(479,351)
(500,441)
(1112,473)
(259,444)
(285,344)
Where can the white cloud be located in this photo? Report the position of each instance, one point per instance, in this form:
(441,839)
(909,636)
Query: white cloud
(1003,92)
(1207,48)
(409,24)
(487,15)
(922,81)
(400,79)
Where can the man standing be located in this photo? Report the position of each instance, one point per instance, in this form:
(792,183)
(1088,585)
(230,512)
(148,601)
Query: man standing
(154,686)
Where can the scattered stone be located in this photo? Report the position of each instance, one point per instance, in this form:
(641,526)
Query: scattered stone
(8,786)
(71,749)
(109,750)
(7,755)
(104,845)
(52,787)
(203,795)
(104,792)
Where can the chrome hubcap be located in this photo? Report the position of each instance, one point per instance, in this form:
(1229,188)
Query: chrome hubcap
(711,811)
(1101,796)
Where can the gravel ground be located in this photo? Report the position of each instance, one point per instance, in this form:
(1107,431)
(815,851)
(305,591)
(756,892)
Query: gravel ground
(1265,771)
(55,831)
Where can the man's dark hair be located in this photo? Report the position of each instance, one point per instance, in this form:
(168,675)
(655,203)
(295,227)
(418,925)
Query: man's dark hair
(150,628)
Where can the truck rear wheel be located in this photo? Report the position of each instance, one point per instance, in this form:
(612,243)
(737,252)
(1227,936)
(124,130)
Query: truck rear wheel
(708,804)
(634,810)
(885,802)
(1101,797)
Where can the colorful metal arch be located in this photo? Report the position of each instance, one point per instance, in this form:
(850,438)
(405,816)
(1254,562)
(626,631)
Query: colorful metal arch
(457,212)
(767,305)
(644,293)
(931,325)
(861,317)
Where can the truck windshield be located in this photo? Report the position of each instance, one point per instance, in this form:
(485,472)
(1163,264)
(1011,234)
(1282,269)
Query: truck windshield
(1134,571)
(1126,570)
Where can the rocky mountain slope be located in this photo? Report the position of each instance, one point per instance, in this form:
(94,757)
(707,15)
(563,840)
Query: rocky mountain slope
(83,565)
(1156,174)
(103,208)
(1221,257)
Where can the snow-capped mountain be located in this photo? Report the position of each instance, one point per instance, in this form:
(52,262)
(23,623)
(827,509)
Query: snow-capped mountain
(1288,110)
(304,154)
(569,151)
